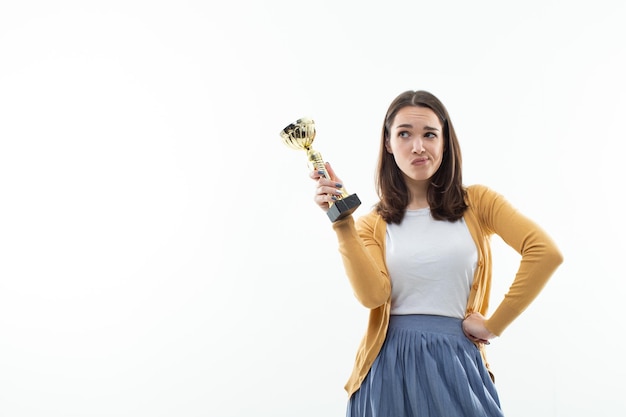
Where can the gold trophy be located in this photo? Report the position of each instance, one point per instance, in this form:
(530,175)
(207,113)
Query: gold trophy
(300,135)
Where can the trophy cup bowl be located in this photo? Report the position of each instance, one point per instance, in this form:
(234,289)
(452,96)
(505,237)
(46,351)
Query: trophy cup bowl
(300,136)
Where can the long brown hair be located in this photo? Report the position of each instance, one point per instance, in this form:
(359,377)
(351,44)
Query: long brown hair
(446,194)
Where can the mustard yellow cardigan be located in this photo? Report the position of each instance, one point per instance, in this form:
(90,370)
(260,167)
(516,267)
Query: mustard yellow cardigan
(362,247)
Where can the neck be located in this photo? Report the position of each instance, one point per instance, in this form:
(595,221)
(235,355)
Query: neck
(418,196)
(415,205)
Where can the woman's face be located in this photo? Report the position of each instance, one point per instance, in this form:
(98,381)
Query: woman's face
(416,142)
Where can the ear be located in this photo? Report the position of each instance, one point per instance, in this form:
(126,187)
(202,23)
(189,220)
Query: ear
(388,146)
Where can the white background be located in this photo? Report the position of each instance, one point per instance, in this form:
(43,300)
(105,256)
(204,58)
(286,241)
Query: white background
(160,253)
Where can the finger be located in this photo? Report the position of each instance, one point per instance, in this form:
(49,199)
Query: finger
(478,339)
(317,174)
(331,190)
(322,177)
(325,182)
(324,200)
(331,173)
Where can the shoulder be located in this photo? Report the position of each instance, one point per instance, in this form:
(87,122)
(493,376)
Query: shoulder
(478,194)
(370,219)
(371,223)
(371,216)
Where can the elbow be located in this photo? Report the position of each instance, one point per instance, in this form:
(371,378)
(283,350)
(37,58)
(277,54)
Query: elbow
(372,304)
(546,253)
(556,257)
(373,300)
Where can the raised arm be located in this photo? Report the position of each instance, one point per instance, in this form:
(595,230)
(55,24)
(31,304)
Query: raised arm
(361,251)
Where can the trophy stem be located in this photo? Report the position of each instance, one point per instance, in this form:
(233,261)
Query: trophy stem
(318,163)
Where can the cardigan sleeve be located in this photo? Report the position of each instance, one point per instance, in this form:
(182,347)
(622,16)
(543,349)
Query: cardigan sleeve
(540,255)
(363,259)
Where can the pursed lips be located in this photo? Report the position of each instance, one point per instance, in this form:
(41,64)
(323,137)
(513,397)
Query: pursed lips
(419,161)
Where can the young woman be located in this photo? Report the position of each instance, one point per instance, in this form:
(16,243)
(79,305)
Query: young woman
(421,262)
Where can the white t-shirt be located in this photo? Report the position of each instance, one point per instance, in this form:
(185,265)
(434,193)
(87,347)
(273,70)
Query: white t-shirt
(431,264)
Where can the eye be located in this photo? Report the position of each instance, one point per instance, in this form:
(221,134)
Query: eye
(404,134)
(430,135)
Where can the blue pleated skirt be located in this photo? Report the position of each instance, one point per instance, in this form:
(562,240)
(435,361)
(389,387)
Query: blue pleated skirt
(426,368)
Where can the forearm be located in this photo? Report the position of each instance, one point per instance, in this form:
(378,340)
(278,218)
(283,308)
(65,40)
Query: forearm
(363,263)
(536,267)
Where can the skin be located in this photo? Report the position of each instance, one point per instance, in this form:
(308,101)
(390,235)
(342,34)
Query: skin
(417,144)
(475,329)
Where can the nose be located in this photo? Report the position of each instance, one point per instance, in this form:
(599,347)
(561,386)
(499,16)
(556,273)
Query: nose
(418,146)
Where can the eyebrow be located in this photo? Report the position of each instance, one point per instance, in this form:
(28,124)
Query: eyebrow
(405,125)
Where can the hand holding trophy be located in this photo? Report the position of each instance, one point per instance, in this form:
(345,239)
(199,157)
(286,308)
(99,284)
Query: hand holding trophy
(300,135)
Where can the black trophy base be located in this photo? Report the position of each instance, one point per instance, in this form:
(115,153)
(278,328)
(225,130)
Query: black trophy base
(344,207)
